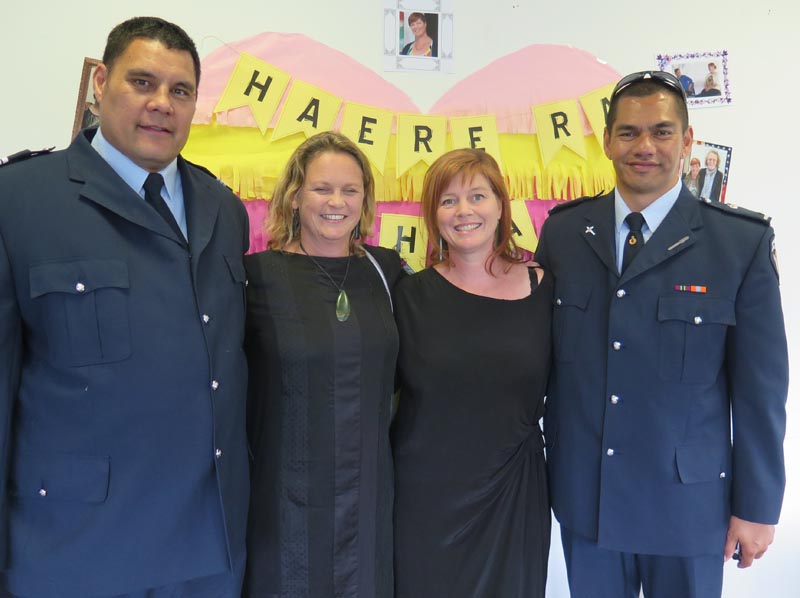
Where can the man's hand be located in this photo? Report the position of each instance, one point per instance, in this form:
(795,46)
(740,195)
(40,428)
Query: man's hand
(752,538)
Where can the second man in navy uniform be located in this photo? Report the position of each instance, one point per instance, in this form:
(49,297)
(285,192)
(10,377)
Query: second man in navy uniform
(668,333)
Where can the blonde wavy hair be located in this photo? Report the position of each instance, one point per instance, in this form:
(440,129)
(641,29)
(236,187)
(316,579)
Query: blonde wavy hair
(281,215)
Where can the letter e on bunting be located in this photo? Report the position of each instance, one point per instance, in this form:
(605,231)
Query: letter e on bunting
(476,132)
(370,129)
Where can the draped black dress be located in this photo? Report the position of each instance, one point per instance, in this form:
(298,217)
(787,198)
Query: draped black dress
(472,517)
(318,426)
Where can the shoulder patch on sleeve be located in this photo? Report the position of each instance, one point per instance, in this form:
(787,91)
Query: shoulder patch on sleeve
(25,155)
(735,210)
(572,203)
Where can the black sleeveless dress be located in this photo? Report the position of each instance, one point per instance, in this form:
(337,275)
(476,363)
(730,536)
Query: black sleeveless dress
(472,518)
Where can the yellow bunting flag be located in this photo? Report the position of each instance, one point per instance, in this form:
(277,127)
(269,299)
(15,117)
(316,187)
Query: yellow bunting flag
(595,106)
(419,138)
(522,230)
(478,132)
(406,235)
(371,129)
(308,109)
(256,84)
(559,124)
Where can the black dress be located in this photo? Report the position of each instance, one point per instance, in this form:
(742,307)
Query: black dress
(319,405)
(472,518)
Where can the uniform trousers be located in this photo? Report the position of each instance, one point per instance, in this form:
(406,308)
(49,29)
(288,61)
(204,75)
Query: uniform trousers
(224,585)
(595,572)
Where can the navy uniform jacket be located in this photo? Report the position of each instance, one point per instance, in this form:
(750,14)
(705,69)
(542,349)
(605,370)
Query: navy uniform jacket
(122,380)
(646,378)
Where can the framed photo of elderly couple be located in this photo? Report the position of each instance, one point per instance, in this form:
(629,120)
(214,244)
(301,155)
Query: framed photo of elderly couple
(706,169)
(703,75)
(418,35)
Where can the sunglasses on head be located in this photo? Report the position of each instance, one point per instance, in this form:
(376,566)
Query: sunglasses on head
(662,78)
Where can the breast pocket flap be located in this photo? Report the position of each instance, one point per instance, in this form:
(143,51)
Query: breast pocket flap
(76,478)
(78,277)
(567,295)
(697,310)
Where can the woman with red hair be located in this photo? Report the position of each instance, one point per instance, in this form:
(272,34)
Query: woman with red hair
(472,517)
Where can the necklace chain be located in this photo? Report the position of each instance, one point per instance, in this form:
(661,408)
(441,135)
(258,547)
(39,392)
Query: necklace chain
(342,301)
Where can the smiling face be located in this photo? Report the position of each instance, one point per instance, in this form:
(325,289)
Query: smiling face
(418,27)
(330,203)
(646,145)
(467,216)
(147,101)
(712,161)
(694,166)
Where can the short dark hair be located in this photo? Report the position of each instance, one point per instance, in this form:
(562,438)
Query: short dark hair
(169,34)
(643,88)
(417,16)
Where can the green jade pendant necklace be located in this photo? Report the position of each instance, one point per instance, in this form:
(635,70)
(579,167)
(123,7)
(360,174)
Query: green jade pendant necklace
(342,301)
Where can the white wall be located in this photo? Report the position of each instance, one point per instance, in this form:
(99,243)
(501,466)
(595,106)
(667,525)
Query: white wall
(43,45)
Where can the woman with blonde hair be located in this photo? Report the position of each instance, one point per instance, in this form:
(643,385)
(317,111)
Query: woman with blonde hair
(472,517)
(321,344)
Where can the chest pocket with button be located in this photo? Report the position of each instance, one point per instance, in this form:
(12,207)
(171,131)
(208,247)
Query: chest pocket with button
(84,305)
(692,333)
(569,309)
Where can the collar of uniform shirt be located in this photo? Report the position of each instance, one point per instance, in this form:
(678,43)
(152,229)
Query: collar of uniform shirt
(654,215)
(133,174)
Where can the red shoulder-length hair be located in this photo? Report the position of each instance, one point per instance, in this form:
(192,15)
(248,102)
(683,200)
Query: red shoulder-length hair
(466,164)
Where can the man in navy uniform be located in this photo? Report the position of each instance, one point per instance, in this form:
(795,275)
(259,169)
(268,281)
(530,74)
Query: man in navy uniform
(668,336)
(122,375)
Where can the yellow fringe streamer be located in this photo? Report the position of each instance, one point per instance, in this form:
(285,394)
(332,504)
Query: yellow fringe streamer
(250,164)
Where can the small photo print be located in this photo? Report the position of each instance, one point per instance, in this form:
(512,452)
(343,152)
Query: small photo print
(704,76)
(418,35)
(705,171)
(86,113)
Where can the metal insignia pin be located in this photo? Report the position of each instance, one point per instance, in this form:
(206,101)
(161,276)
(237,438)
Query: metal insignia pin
(590,230)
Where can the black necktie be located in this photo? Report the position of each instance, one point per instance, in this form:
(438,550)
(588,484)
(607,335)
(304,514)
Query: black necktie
(635,240)
(152,195)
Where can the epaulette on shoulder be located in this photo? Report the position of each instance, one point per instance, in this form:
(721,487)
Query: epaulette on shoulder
(24,155)
(205,170)
(575,202)
(729,208)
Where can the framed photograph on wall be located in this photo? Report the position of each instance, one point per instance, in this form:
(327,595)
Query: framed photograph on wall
(704,76)
(706,169)
(418,35)
(86,114)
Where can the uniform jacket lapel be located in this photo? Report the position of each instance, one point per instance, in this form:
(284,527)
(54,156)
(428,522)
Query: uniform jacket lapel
(202,200)
(104,187)
(599,230)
